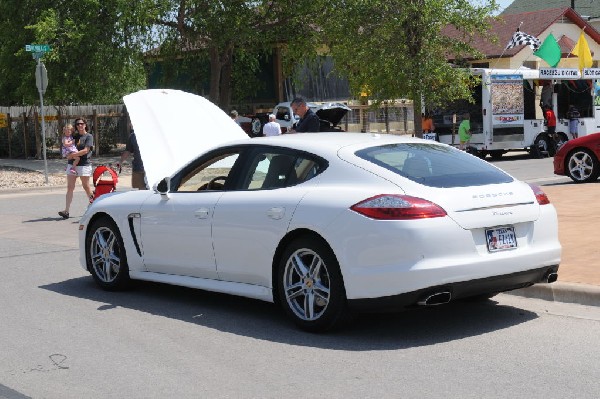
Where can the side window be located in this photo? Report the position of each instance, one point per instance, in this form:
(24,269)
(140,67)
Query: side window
(210,175)
(276,170)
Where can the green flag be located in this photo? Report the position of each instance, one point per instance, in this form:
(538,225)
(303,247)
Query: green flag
(549,51)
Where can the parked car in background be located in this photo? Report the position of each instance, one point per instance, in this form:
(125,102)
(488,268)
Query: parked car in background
(579,159)
(330,114)
(323,224)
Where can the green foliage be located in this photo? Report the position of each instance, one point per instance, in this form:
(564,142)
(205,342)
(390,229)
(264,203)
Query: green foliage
(234,35)
(398,48)
(96,54)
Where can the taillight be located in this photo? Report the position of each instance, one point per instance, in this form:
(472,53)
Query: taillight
(398,207)
(540,196)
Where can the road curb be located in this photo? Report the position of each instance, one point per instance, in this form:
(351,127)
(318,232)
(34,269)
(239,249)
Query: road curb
(583,294)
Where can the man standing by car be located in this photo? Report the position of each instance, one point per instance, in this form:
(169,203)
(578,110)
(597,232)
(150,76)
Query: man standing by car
(138,175)
(272,128)
(309,121)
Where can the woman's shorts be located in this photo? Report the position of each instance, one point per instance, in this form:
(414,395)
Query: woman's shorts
(85,170)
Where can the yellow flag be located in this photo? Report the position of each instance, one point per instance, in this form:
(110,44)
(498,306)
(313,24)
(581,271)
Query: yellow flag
(582,50)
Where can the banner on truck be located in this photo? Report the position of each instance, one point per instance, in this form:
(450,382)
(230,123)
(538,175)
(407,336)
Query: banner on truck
(507,100)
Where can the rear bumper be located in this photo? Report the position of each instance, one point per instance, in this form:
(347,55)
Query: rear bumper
(489,285)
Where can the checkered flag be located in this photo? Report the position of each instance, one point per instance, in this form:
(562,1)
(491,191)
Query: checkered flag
(523,39)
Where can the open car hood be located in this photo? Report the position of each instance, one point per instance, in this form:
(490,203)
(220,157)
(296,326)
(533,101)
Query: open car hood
(332,112)
(173,127)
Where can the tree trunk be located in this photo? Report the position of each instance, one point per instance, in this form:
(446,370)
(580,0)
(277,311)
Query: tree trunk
(417,121)
(226,78)
(215,75)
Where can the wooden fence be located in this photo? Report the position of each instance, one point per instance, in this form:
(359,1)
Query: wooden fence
(21,134)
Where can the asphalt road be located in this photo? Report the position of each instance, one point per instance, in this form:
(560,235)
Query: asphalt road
(62,337)
(523,167)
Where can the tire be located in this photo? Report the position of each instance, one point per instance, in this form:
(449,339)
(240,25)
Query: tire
(562,139)
(541,146)
(582,166)
(105,255)
(497,154)
(257,127)
(310,287)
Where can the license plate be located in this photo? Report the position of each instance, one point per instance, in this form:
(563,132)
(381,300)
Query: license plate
(501,238)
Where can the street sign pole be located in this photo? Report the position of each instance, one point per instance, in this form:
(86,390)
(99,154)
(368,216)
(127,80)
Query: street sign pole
(41,81)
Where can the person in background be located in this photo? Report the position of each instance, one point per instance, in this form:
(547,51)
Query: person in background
(464,130)
(138,175)
(234,115)
(272,128)
(68,146)
(573,116)
(427,123)
(550,118)
(85,144)
(309,121)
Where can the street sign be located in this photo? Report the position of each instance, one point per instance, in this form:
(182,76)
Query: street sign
(3,120)
(41,77)
(37,48)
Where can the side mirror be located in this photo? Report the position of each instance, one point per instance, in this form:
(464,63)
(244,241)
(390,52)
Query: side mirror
(163,187)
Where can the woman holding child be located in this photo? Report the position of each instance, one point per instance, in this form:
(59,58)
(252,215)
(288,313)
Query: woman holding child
(83,169)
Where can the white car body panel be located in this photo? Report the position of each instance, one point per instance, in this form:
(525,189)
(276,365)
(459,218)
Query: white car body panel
(226,241)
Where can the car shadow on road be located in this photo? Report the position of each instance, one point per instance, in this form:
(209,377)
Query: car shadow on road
(265,321)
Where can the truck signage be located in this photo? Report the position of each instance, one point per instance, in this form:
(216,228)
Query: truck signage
(559,73)
(507,100)
(591,73)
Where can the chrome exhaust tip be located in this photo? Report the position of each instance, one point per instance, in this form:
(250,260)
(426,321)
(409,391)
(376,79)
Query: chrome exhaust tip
(438,298)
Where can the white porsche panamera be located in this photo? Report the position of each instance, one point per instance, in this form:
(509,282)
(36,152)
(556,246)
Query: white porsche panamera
(324,224)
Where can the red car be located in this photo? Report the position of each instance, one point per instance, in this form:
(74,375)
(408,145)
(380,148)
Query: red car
(579,159)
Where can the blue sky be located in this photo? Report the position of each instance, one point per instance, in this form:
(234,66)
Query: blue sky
(504,3)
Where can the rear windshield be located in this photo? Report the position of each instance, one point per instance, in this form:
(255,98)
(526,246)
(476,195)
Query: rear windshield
(434,165)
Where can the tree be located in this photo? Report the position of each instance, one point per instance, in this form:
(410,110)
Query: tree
(400,48)
(233,35)
(96,54)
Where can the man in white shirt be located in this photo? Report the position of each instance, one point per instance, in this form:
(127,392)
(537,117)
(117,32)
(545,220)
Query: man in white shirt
(272,128)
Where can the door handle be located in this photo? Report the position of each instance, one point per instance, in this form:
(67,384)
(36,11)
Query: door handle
(276,213)
(201,213)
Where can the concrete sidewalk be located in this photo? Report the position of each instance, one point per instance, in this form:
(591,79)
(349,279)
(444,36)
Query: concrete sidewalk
(577,205)
(56,166)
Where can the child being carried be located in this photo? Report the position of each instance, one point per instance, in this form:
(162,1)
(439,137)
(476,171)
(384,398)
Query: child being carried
(69,147)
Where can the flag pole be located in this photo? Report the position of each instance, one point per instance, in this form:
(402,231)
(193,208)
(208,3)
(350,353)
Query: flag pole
(504,51)
(575,45)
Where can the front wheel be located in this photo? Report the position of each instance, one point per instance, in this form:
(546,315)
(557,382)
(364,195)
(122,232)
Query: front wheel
(105,255)
(582,166)
(310,287)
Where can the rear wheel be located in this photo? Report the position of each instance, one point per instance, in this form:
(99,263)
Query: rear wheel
(561,139)
(542,146)
(582,166)
(497,154)
(105,255)
(310,286)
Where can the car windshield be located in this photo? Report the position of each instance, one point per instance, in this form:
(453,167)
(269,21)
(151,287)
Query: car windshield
(434,165)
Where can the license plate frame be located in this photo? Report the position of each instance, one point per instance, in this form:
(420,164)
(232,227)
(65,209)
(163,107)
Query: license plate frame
(501,238)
